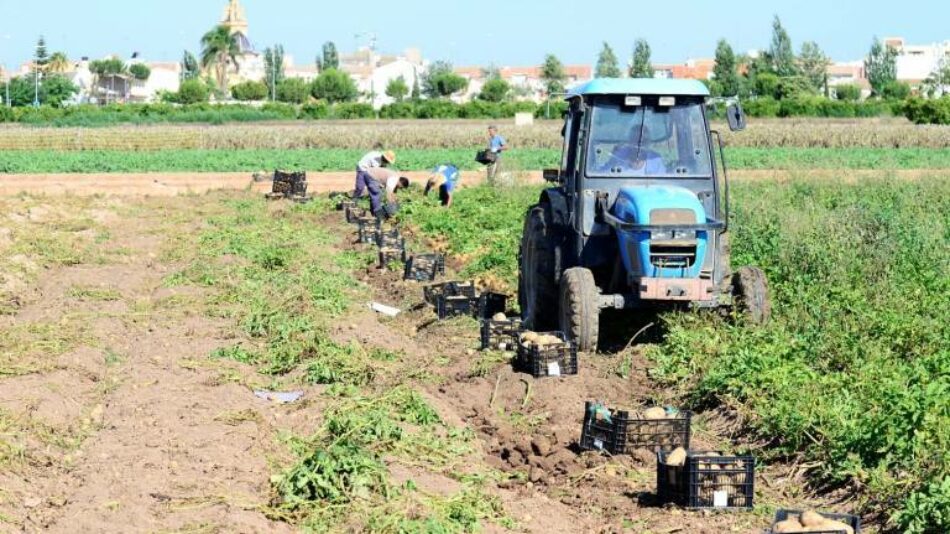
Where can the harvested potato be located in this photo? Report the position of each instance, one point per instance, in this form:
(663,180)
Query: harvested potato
(499,317)
(812,519)
(830,524)
(677,457)
(789,525)
(654,413)
(529,337)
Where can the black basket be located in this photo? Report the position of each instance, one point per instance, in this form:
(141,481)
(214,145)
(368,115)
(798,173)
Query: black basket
(391,239)
(448,306)
(390,255)
(500,335)
(345,204)
(486,157)
(290,183)
(490,304)
(707,480)
(355,213)
(368,230)
(852,520)
(548,360)
(453,288)
(617,433)
(424,267)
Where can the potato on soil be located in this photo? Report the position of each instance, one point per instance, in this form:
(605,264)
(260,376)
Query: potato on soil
(677,457)
(812,519)
(789,525)
(499,317)
(654,413)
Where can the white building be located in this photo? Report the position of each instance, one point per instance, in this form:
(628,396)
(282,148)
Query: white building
(372,72)
(915,63)
(526,82)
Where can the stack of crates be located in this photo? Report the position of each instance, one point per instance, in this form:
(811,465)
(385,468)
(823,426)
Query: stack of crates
(500,334)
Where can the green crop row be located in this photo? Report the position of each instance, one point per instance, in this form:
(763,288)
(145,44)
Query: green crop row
(852,375)
(47,161)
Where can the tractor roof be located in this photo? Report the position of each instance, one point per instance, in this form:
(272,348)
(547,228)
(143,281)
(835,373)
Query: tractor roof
(640,86)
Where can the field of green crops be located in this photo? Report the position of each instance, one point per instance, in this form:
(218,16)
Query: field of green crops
(852,376)
(45,161)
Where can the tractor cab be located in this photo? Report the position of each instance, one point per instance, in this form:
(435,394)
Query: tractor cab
(638,213)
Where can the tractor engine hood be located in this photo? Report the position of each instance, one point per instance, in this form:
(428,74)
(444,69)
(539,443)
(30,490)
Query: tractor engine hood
(661,239)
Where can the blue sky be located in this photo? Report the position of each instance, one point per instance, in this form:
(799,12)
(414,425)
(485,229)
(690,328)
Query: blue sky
(503,32)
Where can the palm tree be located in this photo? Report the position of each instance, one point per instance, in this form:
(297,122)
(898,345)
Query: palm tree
(220,49)
(58,62)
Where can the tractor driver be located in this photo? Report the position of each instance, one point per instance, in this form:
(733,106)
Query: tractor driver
(634,157)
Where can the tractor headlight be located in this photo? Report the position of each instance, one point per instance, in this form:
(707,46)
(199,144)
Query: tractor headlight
(661,235)
(673,235)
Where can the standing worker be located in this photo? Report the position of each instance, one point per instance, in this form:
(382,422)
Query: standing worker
(496,145)
(444,178)
(372,160)
(378,180)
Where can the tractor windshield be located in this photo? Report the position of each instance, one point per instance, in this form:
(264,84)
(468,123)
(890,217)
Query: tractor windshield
(648,139)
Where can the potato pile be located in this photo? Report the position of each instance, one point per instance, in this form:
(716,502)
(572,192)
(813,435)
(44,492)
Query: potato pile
(540,340)
(655,412)
(810,521)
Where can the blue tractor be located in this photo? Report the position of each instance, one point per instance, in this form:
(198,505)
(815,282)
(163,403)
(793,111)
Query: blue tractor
(638,216)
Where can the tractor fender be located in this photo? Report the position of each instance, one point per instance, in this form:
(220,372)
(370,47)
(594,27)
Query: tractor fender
(558,202)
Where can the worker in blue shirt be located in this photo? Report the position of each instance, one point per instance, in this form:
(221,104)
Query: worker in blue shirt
(496,144)
(444,178)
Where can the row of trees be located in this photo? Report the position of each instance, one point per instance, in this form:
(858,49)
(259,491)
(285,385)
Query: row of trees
(776,72)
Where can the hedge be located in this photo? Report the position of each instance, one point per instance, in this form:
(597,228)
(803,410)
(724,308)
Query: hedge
(934,111)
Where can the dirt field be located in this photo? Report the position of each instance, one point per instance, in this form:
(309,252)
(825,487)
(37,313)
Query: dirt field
(113,418)
(171,184)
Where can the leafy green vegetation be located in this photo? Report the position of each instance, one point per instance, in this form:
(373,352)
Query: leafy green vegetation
(48,161)
(853,373)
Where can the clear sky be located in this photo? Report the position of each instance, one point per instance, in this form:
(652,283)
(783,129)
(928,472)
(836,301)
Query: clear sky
(503,32)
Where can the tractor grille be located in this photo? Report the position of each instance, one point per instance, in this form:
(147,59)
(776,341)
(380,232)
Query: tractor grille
(671,255)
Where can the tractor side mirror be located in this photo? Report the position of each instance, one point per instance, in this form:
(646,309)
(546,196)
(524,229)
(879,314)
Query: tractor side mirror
(736,117)
(551,175)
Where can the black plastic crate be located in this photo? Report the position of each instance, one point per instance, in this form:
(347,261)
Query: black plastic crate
(556,359)
(500,334)
(454,306)
(616,432)
(345,204)
(424,267)
(354,214)
(851,520)
(452,288)
(707,480)
(368,230)
(391,255)
(390,239)
(290,183)
(490,304)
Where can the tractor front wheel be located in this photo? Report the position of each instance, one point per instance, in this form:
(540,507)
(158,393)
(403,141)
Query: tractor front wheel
(751,294)
(579,308)
(537,289)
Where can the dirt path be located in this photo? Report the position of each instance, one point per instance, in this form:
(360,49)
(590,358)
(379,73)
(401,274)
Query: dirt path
(172,184)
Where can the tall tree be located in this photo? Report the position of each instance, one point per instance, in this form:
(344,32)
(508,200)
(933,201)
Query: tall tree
(397,89)
(440,81)
(783,57)
(219,50)
(41,57)
(641,67)
(58,62)
(607,64)
(273,68)
(552,73)
(189,66)
(881,66)
(331,59)
(725,69)
(140,71)
(938,83)
(416,90)
(495,90)
(333,85)
(814,65)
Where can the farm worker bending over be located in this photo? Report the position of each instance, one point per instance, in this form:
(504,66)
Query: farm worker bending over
(372,160)
(378,180)
(444,178)
(496,144)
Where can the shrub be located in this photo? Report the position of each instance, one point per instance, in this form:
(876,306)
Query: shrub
(192,92)
(353,110)
(315,110)
(250,90)
(495,90)
(895,91)
(848,92)
(438,109)
(281,109)
(399,110)
(334,86)
(921,111)
(293,91)
(762,107)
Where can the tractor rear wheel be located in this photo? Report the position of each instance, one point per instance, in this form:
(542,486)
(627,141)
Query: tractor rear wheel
(579,308)
(751,294)
(537,289)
